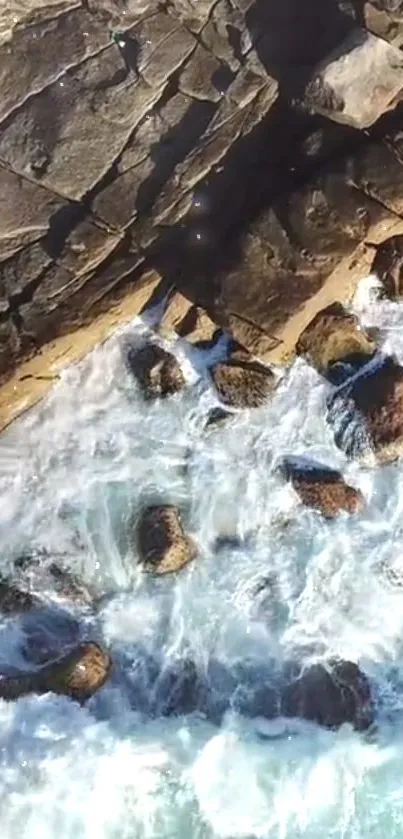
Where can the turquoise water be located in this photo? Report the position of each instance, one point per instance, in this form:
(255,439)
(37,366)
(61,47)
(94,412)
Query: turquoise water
(72,475)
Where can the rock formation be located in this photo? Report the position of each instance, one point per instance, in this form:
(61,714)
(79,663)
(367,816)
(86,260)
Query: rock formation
(248,153)
(156,370)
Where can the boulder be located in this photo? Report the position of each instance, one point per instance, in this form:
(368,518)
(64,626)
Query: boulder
(163,545)
(332,338)
(330,695)
(323,489)
(377,396)
(78,674)
(242,382)
(358,82)
(157,371)
(47,578)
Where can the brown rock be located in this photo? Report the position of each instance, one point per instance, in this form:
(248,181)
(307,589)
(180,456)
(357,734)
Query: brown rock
(323,489)
(156,370)
(162,543)
(330,695)
(78,674)
(378,396)
(359,82)
(242,382)
(334,336)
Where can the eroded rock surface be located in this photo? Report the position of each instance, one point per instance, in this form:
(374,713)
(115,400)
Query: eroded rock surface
(242,382)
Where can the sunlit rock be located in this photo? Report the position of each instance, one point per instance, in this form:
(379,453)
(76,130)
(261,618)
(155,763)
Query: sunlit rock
(157,371)
(332,338)
(162,543)
(322,488)
(330,695)
(78,674)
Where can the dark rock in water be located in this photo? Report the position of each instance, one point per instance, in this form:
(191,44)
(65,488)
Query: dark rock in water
(162,543)
(14,600)
(332,337)
(388,267)
(322,488)
(330,696)
(78,674)
(216,417)
(378,397)
(42,575)
(178,689)
(157,371)
(242,382)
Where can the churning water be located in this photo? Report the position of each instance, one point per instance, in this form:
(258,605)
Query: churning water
(289,586)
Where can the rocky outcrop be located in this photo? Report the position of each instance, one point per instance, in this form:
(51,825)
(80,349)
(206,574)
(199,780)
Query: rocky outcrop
(183,319)
(242,382)
(322,488)
(377,396)
(162,543)
(78,674)
(330,695)
(137,138)
(157,371)
(334,337)
(14,600)
(388,267)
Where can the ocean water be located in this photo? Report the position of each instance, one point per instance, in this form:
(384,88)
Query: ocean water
(285,584)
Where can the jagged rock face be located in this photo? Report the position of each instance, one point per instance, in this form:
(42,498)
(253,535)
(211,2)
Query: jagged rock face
(242,382)
(323,489)
(334,337)
(78,674)
(378,397)
(331,696)
(139,135)
(163,545)
(157,371)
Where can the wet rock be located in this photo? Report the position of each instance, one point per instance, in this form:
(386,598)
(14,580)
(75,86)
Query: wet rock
(330,695)
(242,382)
(323,489)
(14,600)
(78,674)
(46,578)
(378,397)
(334,337)
(157,371)
(217,417)
(162,543)
(178,689)
(358,82)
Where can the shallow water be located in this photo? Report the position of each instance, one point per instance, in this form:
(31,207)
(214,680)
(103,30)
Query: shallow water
(73,472)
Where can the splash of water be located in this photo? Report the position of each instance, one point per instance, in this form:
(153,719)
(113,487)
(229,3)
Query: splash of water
(287,584)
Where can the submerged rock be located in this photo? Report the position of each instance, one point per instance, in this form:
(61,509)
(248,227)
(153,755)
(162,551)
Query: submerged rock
(78,674)
(378,397)
(162,543)
(322,488)
(14,600)
(330,695)
(157,371)
(334,337)
(242,382)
